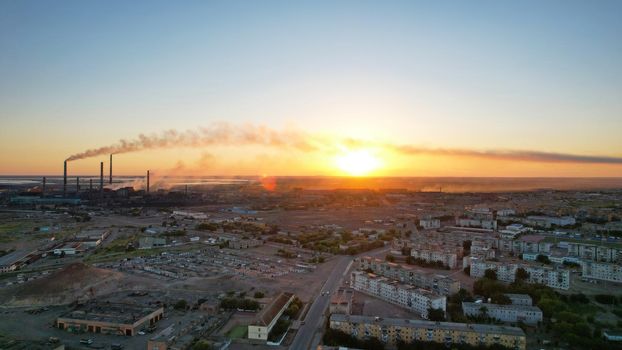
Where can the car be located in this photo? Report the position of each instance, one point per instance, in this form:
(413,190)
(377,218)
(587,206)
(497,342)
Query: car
(86,341)
(141,333)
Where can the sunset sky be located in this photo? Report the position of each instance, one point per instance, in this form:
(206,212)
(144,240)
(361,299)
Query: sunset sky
(435,88)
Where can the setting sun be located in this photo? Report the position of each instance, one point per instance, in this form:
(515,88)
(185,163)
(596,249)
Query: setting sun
(357,163)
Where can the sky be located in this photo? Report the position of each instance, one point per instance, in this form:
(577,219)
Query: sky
(457,80)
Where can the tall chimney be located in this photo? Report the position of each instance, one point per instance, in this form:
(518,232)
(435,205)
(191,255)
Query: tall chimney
(147,181)
(65,179)
(43,188)
(101,177)
(110,168)
(91,185)
(77,184)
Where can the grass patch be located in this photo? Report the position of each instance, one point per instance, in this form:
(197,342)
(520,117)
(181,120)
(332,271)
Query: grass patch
(238,332)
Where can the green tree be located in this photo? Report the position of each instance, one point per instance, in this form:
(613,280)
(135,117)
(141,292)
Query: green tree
(490,274)
(181,305)
(521,274)
(202,345)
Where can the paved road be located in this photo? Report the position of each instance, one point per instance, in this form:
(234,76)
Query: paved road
(309,334)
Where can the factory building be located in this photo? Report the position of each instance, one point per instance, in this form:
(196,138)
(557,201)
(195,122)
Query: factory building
(393,330)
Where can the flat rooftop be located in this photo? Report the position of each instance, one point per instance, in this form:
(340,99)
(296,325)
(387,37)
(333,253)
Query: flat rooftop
(11,258)
(448,326)
(502,306)
(119,313)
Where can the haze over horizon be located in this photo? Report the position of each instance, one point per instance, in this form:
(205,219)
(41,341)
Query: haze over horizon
(337,89)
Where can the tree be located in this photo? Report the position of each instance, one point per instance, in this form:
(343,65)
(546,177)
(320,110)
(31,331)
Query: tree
(521,274)
(258,295)
(467,270)
(466,246)
(390,258)
(499,298)
(436,315)
(181,305)
(483,311)
(490,274)
(202,345)
(543,259)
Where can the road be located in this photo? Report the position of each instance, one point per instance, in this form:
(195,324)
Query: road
(309,334)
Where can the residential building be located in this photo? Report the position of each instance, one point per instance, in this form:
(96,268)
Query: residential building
(393,330)
(554,278)
(430,223)
(437,283)
(520,299)
(341,301)
(244,243)
(268,316)
(446,257)
(594,252)
(415,299)
(592,270)
(505,313)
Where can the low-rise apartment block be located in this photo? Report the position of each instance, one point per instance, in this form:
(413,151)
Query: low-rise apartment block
(341,301)
(505,313)
(447,258)
(601,271)
(594,252)
(415,299)
(394,330)
(548,276)
(439,284)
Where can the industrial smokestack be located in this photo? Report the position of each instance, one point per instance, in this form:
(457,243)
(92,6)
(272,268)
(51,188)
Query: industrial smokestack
(77,184)
(101,177)
(43,188)
(91,185)
(110,168)
(65,179)
(147,181)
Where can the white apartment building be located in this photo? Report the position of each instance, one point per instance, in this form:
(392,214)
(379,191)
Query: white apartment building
(504,313)
(448,258)
(430,223)
(548,276)
(601,271)
(594,252)
(548,221)
(406,296)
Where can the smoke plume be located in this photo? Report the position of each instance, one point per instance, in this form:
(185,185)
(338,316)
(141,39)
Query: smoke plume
(223,134)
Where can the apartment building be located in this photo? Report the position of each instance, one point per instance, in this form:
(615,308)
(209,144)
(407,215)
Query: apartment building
(393,330)
(448,258)
(548,276)
(520,299)
(505,313)
(439,284)
(592,270)
(429,223)
(594,252)
(415,299)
